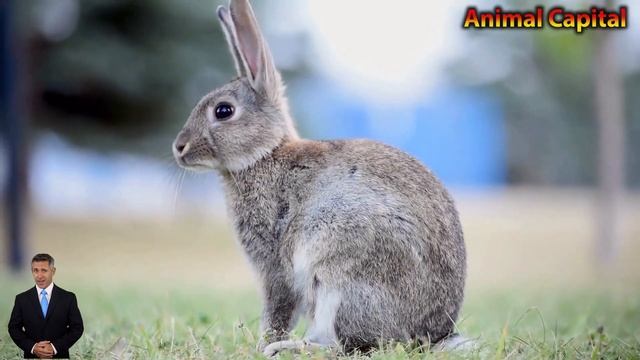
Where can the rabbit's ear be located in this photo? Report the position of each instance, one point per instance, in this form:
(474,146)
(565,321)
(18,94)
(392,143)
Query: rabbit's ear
(232,39)
(253,50)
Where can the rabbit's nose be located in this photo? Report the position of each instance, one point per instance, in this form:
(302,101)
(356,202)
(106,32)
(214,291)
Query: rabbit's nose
(182,143)
(180,147)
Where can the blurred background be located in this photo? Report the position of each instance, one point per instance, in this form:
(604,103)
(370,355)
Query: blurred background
(536,133)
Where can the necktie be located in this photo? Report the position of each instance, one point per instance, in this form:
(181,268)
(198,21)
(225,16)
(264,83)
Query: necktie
(44,303)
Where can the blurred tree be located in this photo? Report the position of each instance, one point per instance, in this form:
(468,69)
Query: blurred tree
(611,123)
(609,106)
(13,128)
(122,74)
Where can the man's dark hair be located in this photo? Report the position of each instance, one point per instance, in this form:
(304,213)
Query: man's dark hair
(44,257)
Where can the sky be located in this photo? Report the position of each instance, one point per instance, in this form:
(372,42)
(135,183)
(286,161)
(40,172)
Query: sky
(380,50)
(393,50)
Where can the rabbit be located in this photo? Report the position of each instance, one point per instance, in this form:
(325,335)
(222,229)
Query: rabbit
(355,235)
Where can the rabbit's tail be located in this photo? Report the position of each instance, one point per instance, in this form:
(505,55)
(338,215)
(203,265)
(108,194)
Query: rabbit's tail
(455,342)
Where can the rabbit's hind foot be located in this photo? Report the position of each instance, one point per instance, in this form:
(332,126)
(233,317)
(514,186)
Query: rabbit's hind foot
(297,346)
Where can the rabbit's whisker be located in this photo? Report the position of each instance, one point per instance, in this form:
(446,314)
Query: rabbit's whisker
(177,190)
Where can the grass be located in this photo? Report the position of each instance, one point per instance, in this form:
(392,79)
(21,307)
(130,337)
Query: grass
(188,323)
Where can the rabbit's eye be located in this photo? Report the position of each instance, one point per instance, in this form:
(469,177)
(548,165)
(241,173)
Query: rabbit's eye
(224,111)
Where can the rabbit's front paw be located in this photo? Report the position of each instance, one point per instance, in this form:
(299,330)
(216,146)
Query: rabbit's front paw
(291,345)
(270,350)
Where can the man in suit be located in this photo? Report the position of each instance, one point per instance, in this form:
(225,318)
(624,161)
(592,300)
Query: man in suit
(45,321)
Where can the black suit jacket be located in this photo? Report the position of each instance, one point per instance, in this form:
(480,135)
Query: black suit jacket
(62,326)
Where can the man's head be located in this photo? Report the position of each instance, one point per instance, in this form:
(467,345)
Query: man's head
(43,269)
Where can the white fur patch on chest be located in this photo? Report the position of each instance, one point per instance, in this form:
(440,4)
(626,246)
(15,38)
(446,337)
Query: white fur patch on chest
(302,269)
(322,329)
(325,300)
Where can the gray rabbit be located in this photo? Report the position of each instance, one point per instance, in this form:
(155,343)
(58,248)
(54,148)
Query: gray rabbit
(357,236)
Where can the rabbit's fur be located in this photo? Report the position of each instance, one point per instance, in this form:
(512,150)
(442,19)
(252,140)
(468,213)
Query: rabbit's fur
(356,235)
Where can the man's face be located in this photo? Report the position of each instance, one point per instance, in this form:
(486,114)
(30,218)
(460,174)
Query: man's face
(42,273)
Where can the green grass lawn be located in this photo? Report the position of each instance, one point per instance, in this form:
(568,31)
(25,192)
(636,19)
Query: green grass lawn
(183,323)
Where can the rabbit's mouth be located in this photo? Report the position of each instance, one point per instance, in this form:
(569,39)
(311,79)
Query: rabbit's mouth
(182,162)
(202,165)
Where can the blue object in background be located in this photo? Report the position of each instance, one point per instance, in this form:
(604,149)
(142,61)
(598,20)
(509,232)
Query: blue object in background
(459,134)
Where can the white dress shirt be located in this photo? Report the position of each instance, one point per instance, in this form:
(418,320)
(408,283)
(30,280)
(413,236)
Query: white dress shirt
(49,289)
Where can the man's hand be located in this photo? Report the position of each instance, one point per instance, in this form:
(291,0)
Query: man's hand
(43,350)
